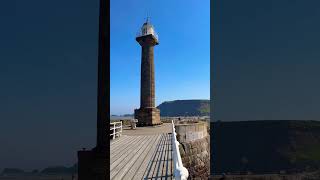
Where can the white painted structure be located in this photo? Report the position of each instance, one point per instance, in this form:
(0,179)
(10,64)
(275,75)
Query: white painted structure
(147,29)
(180,172)
(114,126)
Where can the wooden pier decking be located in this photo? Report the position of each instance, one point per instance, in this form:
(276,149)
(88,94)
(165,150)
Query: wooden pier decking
(143,153)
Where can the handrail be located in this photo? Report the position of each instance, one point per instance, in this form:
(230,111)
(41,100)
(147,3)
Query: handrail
(114,132)
(140,34)
(180,172)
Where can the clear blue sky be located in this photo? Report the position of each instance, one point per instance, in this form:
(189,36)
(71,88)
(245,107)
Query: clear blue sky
(182,59)
(48,70)
(266,59)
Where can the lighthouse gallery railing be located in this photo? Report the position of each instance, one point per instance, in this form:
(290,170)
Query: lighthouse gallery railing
(139,34)
(180,172)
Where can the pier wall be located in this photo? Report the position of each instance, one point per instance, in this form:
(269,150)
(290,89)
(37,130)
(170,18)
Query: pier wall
(195,148)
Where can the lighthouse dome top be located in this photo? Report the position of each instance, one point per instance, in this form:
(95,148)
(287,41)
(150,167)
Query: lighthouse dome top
(147,29)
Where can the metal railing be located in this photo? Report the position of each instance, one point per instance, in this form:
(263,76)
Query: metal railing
(180,172)
(139,34)
(114,127)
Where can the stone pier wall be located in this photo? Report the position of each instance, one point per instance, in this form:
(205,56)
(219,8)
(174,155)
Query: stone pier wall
(195,148)
(196,157)
(190,131)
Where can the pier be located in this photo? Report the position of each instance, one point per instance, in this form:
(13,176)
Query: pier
(146,153)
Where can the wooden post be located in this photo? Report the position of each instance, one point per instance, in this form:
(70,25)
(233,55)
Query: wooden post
(120,129)
(114,130)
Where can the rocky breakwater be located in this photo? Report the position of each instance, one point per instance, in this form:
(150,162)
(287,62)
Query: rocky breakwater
(194,147)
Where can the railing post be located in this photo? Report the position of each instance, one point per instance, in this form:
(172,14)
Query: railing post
(120,128)
(180,172)
(114,130)
(116,133)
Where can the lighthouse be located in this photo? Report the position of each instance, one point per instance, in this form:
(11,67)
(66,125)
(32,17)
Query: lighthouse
(147,114)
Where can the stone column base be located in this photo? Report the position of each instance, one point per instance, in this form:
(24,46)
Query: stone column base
(147,116)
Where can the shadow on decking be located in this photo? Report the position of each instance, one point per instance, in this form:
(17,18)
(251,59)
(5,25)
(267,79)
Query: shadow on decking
(160,165)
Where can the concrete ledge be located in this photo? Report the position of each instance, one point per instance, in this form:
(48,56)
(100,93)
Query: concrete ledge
(190,131)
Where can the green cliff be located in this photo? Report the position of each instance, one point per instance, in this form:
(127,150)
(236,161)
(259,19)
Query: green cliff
(185,108)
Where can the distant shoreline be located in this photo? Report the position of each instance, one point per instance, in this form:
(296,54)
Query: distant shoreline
(120,117)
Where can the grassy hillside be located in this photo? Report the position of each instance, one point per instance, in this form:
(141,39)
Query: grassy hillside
(266,146)
(185,108)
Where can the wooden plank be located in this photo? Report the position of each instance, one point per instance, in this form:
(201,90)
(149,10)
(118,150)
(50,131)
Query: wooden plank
(170,161)
(145,164)
(119,142)
(155,161)
(142,157)
(115,153)
(125,147)
(121,163)
(161,162)
(152,161)
(115,142)
(159,169)
(132,172)
(165,163)
(134,163)
(123,152)
(166,160)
